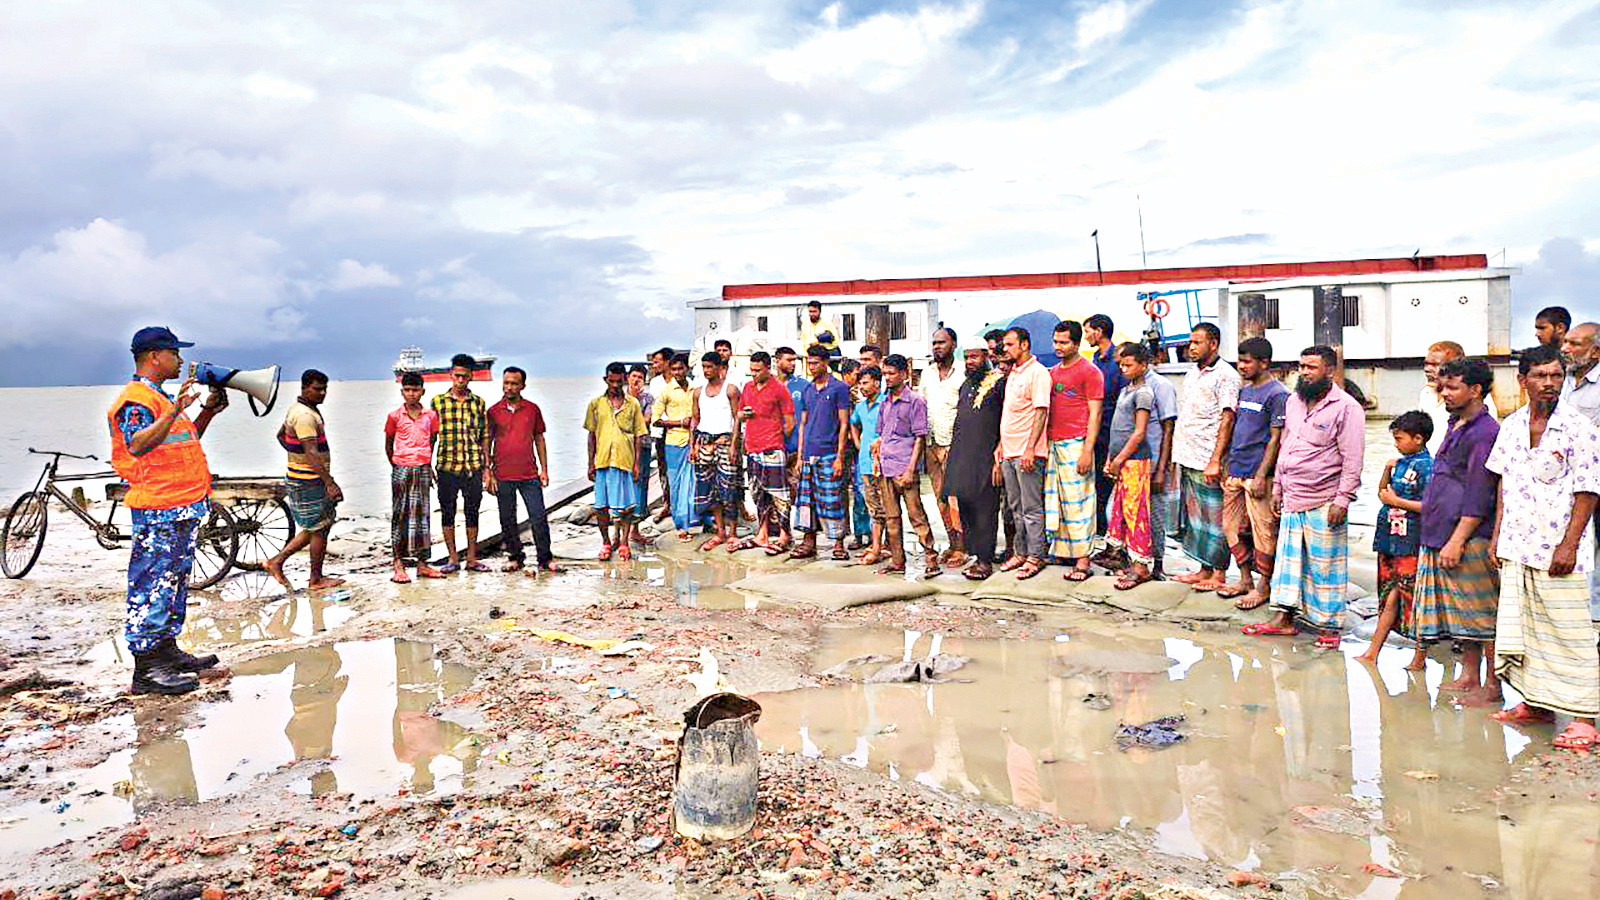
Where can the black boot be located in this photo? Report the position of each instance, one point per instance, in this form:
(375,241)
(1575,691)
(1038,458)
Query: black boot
(184,662)
(153,673)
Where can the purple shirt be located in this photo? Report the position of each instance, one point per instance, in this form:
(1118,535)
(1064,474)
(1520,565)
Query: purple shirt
(1319,458)
(901,420)
(1461,486)
(820,437)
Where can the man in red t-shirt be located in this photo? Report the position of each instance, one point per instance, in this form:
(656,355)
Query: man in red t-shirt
(767,416)
(520,466)
(1076,391)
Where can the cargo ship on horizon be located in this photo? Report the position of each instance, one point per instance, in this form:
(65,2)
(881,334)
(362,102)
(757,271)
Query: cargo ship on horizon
(411,360)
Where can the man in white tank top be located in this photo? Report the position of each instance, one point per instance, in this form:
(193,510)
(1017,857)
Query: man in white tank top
(716,450)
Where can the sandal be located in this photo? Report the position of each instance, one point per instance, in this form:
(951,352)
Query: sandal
(711,544)
(1230,591)
(1267,629)
(1577,736)
(1188,578)
(552,567)
(605,552)
(1013,562)
(624,554)
(1076,574)
(684,537)
(777,549)
(1328,641)
(931,567)
(1246,607)
(478,567)
(868,558)
(400,578)
(979,572)
(1206,587)
(1523,714)
(1030,568)
(1129,582)
(428,572)
(746,544)
(892,569)
(449,569)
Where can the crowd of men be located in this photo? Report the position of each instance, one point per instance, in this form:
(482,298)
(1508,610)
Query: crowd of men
(1485,536)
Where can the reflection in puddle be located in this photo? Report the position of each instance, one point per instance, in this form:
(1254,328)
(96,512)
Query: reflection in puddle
(211,625)
(362,706)
(699,581)
(1295,759)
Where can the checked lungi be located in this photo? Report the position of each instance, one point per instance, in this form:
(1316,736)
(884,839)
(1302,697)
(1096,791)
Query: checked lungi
(1201,520)
(410,504)
(767,473)
(158,580)
(1128,514)
(1544,640)
(715,474)
(1311,572)
(1069,502)
(1460,602)
(309,504)
(818,500)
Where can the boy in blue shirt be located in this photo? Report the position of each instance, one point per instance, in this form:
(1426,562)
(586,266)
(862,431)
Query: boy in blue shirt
(1396,536)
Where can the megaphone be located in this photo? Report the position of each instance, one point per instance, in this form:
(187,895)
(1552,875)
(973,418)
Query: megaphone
(256,384)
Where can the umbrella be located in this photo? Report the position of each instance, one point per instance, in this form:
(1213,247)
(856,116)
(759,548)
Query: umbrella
(1041,327)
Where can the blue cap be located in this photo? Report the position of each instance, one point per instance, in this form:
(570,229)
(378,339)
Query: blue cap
(157,338)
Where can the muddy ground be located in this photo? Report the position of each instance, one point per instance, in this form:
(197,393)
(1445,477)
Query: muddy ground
(433,742)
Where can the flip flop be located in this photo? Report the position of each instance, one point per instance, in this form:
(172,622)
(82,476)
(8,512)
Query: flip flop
(777,550)
(478,567)
(1076,575)
(1129,582)
(1230,591)
(1260,602)
(624,554)
(449,569)
(1267,629)
(978,573)
(429,573)
(746,544)
(552,568)
(1029,569)
(892,570)
(711,544)
(1523,714)
(1328,642)
(605,552)
(1577,736)
(400,579)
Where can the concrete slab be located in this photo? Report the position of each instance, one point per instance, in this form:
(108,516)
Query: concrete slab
(1050,587)
(838,587)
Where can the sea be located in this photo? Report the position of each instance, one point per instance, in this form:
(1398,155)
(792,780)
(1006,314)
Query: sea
(239,444)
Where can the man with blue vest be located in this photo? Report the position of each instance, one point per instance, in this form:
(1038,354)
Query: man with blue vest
(155,447)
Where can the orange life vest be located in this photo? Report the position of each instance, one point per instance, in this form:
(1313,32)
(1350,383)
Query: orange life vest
(174,472)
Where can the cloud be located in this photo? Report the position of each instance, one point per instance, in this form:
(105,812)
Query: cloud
(353,276)
(1565,273)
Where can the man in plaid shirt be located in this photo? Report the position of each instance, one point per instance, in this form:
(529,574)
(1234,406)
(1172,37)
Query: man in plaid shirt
(458,457)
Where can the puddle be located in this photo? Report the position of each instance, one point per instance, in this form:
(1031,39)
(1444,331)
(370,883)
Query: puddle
(1270,728)
(360,705)
(212,624)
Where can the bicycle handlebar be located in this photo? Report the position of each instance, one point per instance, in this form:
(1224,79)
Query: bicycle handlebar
(60,453)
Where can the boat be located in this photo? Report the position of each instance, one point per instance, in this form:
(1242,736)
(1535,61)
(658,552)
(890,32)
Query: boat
(411,360)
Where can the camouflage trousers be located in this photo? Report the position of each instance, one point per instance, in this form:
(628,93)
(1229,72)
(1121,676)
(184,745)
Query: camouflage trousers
(158,581)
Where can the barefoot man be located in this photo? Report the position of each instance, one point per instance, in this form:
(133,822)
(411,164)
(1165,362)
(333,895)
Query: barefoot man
(156,450)
(1319,471)
(1248,519)
(1458,582)
(313,494)
(1548,460)
(1205,429)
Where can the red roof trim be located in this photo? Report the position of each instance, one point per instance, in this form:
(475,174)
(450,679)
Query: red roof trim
(1259,272)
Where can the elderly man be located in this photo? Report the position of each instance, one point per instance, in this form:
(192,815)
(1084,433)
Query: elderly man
(1580,391)
(1023,450)
(1200,447)
(1319,471)
(941,385)
(156,449)
(1548,460)
(1458,581)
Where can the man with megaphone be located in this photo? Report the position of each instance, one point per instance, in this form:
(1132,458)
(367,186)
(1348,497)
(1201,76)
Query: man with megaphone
(155,447)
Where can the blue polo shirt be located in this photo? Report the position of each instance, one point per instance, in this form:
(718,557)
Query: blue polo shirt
(823,406)
(1114,383)
(797,392)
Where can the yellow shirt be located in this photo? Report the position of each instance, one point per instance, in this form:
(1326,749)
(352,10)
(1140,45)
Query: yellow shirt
(809,331)
(677,404)
(614,431)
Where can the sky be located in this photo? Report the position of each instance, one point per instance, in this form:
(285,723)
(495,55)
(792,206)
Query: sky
(322,184)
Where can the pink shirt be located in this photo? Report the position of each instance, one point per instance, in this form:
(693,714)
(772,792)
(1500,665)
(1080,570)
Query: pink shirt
(413,438)
(1319,461)
(1027,401)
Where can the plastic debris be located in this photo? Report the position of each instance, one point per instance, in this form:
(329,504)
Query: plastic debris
(350,830)
(1154,734)
(1422,775)
(338,595)
(1096,701)
(615,692)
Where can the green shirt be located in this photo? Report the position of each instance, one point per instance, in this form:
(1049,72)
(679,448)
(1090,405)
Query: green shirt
(614,431)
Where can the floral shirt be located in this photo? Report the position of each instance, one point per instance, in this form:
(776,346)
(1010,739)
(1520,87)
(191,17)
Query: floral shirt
(1537,485)
(1206,393)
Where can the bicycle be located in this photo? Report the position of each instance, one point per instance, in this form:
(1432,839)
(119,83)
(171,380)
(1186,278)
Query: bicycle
(264,524)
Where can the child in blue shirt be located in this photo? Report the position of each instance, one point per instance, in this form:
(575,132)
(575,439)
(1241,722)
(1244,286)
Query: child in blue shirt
(1395,537)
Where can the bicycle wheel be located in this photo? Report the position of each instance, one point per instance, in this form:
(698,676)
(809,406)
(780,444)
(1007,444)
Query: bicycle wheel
(264,527)
(215,548)
(23,535)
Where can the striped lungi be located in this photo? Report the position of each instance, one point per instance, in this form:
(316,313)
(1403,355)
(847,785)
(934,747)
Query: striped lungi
(715,473)
(818,501)
(1128,515)
(1311,573)
(767,473)
(1068,502)
(1201,520)
(1544,641)
(1459,602)
(410,492)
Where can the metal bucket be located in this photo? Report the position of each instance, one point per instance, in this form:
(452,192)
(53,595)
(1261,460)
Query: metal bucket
(718,770)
